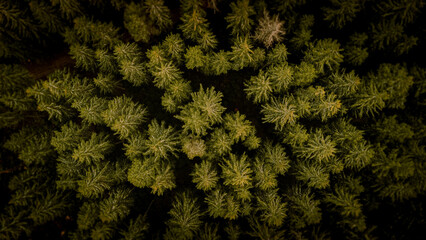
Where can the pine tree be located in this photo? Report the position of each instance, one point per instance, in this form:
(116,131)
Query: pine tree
(238,126)
(355,51)
(124,116)
(304,209)
(341,12)
(278,55)
(304,74)
(270,30)
(90,109)
(195,58)
(220,63)
(205,176)
(116,206)
(134,71)
(272,210)
(69,137)
(281,76)
(275,155)
(279,112)
(165,75)
(318,147)
(107,83)
(93,150)
(95,181)
(185,217)
(239,19)
(137,228)
(69,9)
(303,34)
(265,175)
(220,142)
(344,84)
(158,13)
(193,146)
(236,171)
(313,174)
(325,52)
(174,46)
(259,88)
(386,33)
(84,57)
(47,17)
(161,140)
(242,54)
(216,203)
(369,101)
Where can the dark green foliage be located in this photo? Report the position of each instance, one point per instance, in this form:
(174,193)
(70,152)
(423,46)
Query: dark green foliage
(275,127)
(185,217)
(341,12)
(325,53)
(124,116)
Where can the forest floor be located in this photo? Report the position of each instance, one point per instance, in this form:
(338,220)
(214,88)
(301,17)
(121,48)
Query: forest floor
(42,68)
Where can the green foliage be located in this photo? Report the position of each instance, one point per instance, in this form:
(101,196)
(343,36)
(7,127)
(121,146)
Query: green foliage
(204,111)
(342,12)
(185,217)
(205,176)
(273,211)
(124,116)
(137,228)
(318,147)
(116,206)
(313,174)
(279,112)
(239,18)
(259,88)
(236,171)
(49,207)
(304,208)
(327,138)
(195,58)
(242,54)
(146,20)
(92,150)
(325,53)
(238,126)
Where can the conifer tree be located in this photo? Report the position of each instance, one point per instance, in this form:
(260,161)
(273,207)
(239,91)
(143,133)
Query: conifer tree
(325,53)
(281,76)
(273,211)
(84,57)
(318,147)
(193,146)
(304,207)
(90,109)
(238,126)
(107,83)
(259,87)
(242,54)
(185,217)
(303,34)
(220,141)
(341,12)
(236,171)
(355,51)
(239,19)
(205,176)
(220,63)
(278,54)
(116,206)
(195,58)
(270,30)
(279,112)
(137,228)
(313,174)
(174,46)
(93,150)
(161,140)
(165,75)
(124,116)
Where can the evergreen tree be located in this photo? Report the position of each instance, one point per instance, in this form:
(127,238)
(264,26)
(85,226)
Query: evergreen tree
(242,54)
(341,12)
(325,52)
(273,211)
(185,217)
(205,176)
(239,19)
(161,140)
(259,88)
(93,150)
(238,126)
(124,116)
(279,112)
(236,171)
(270,30)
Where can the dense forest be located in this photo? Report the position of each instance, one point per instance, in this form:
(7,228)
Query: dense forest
(212,119)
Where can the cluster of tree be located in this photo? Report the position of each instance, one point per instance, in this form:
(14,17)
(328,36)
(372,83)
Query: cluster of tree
(130,143)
